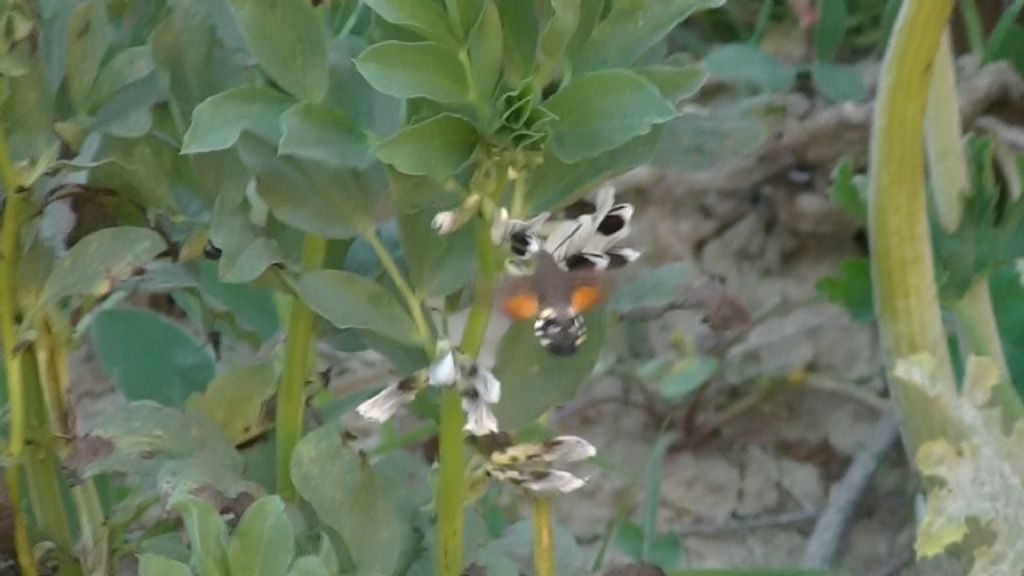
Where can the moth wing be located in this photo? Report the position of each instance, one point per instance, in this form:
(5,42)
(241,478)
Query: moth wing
(587,290)
(519,300)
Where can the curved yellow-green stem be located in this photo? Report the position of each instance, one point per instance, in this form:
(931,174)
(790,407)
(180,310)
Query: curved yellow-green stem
(291,393)
(906,297)
(9,247)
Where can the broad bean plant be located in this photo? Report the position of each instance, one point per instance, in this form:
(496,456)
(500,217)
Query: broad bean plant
(200,194)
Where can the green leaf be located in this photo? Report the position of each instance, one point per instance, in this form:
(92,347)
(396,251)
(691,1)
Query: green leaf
(991,229)
(207,535)
(245,252)
(124,68)
(140,438)
(150,358)
(264,541)
(317,132)
(602,111)
(309,566)
(541,380)
(747,65)
(424,17)
(218,121)
(437,147)
(438,264)
(485,48)
(557,33)
(309,195)
(349,496)
(153,565)
(631,28)
(519,26)
(189,50)
(697,141)
(1007,292)
(350,301)
(829,29)
(88,37)
(99,261)
(674,82)
(415,69)
(849,191)
(287,40)
(666,552)
(236,401)
(687,376)
(653,289)
(555,182)
(837,82)
(652,490)
(128,114)
(850,288)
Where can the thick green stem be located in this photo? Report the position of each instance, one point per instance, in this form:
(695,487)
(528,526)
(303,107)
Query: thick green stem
(906,297)
(51,358)
(291,394)
(12,357)
(450,489)
(543,546)
(39,458)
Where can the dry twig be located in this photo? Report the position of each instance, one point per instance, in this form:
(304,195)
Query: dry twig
(824,541)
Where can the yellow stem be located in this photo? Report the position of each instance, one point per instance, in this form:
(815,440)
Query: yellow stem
(906,297)
(543,546)
(9,248)
(291,394)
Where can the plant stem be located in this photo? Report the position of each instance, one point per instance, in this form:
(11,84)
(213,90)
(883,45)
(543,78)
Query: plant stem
(291,395)
(450,488)
(906,297)
(450,485)
(9,248)
(94,534)
(412,302)
(972,27)
(947,169)
(51,358)
(543,547)
(39,459)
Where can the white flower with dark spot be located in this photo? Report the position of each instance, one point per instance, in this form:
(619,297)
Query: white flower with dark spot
(529,465)
(385,404)
(522,235)
(479,390)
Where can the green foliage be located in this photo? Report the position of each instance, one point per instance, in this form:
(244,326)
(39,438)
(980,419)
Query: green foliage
(436,147)
(747,65)
(602,111)
(850,288)
(539,379)
(202,143)
(287,40)
(991,230)
(351,301)
(354,497)
(98,261)
(150,358)
(263,543)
